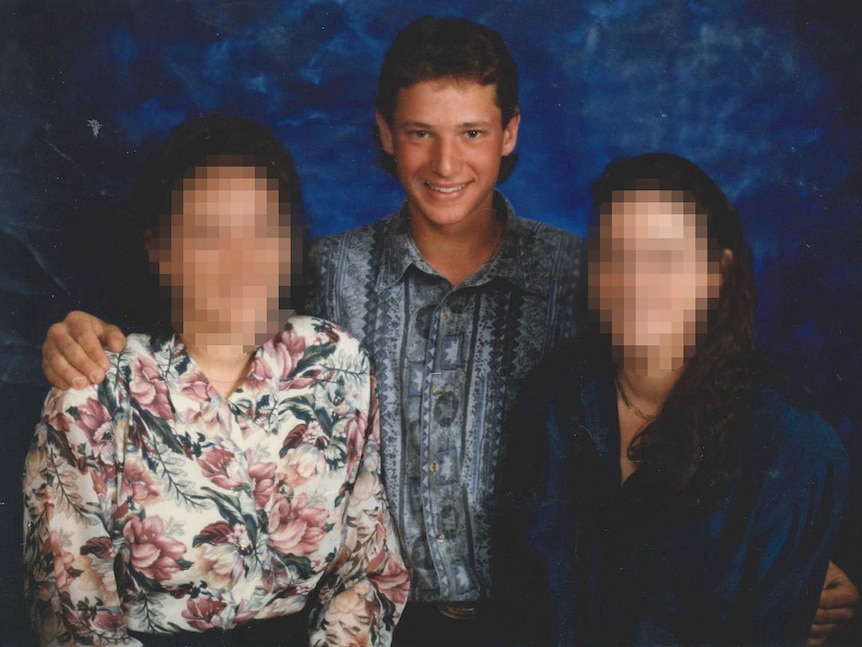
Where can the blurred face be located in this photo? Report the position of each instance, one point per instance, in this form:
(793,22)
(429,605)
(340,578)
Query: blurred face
(651,280)
(226,255)
(447,139)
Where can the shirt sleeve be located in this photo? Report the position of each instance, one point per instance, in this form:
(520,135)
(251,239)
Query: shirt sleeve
(315,277)
(362,598)
(799,508)
(70,487)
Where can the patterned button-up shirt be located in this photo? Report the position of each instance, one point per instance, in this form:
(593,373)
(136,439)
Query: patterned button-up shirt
(450,362)
(154,503)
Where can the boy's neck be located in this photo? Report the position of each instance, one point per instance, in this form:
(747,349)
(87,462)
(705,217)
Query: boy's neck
(457,251)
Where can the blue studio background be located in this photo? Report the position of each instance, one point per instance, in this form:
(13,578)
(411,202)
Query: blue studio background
(765,95)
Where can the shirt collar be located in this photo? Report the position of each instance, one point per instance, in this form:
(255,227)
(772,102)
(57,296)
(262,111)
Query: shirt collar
(254,398)
(598,397)
(400,252)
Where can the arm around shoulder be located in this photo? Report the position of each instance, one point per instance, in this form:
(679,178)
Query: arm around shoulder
(800,504)
(73,353)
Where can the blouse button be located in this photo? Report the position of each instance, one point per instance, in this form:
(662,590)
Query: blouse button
(441,537)
(446,314)
(434,467)
(437,391)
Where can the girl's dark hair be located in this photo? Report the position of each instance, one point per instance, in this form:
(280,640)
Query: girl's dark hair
(210,140)
(438,48)
(690,447)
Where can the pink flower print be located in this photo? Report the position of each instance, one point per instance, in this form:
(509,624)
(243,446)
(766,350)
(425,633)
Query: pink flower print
(148,388)
(202,613)
(365,512)
(329,335)
(259,375)
(287,347)
(220,553)
(94,421)
(99,546)
(355,440)
(262,477)
(348,617)
(205,419)
(392,580)
(54,414)
(295,527)
(311,434)
(139,483)
(221,532)
(64,571)
(153,554)
(218,465)
(194,384)
(301,465)
(244,614)
(110,622)
(98,570)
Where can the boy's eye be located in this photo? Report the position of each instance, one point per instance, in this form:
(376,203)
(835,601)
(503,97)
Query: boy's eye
(473,134)
(419,134)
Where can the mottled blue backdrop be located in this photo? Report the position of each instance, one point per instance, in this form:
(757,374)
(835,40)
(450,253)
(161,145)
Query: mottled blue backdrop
(765,95)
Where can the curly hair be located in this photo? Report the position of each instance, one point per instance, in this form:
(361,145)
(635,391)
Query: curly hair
(691,445)
(436,48)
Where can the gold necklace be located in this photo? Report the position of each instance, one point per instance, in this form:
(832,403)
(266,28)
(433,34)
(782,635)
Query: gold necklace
(631,407)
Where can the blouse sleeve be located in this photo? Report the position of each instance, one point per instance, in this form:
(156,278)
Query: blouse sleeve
(365,593)
(70,486)
(799,507)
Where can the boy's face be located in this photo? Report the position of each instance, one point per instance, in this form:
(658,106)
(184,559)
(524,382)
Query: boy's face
(447,139)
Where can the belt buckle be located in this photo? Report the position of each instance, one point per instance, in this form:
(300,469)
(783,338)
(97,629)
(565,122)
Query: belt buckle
(458,610)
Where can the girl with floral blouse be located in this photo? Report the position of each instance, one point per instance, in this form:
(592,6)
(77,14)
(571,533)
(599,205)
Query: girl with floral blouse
(217,481)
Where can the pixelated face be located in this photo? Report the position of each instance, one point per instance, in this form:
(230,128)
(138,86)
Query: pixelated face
(227,250)
(447,139)
(652,280)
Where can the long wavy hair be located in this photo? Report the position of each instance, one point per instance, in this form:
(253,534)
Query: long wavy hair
(691,446)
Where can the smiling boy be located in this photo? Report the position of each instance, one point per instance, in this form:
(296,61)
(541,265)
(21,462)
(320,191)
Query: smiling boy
(457,299)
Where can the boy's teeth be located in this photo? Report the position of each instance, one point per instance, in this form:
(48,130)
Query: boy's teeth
(445,189)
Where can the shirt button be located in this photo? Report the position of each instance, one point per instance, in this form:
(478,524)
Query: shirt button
(446,314)
(437,391)
(441,537)
(434,467)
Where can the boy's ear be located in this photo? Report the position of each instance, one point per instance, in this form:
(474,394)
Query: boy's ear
(510,133)
(386,138)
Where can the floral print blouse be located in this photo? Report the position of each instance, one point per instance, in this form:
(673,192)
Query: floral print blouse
(154,504)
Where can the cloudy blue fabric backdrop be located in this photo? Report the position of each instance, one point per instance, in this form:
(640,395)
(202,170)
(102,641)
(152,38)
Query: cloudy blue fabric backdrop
(764,95)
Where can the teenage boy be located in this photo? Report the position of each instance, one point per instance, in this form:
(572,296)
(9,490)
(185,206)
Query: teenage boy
(456,298)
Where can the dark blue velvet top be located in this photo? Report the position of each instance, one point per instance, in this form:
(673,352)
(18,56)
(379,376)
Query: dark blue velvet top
(583,559)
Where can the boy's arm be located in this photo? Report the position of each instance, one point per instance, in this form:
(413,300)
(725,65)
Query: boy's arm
(839,601)
(72,355)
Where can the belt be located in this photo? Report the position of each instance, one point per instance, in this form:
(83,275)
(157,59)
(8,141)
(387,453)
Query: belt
(459,610)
